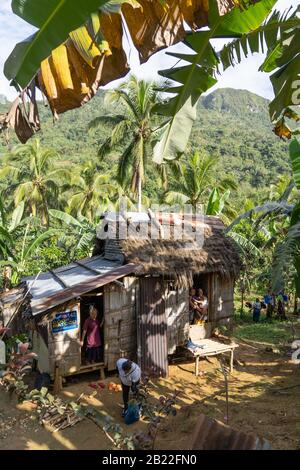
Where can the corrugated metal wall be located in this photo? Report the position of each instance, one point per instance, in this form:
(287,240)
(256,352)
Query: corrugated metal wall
(152,328)
(177,314)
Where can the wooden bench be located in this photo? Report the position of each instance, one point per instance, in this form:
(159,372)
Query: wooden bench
(209,347)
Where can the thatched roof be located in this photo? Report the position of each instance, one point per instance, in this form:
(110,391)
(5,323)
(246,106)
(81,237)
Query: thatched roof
(181,258)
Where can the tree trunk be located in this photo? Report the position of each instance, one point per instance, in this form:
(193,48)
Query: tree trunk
(295,304)
(242,307)
(139,193)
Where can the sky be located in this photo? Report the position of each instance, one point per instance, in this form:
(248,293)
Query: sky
(244,76)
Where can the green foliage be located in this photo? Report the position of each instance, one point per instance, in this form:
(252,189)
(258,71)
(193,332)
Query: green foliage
(33,178)
(198,75)
(11,343)
(287,254)
(272,333)
(281,34)
(131,133)
(256,162)
(196,184)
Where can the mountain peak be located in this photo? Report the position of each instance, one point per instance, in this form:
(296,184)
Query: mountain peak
(229,100)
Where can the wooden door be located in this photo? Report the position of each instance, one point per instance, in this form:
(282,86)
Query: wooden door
(120,321)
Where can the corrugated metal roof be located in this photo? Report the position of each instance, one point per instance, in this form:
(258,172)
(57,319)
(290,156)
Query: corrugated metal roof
(210,434)
(65,283)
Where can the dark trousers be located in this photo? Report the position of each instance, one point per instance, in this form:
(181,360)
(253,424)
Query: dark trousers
(93,354)
(126,391)
(270,310)
(256,315)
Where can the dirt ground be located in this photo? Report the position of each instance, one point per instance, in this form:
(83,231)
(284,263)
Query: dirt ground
(264,398)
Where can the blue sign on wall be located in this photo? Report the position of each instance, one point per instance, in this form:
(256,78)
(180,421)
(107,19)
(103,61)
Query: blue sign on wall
(65,321)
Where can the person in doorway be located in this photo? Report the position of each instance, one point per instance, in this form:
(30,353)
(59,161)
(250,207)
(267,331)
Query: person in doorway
(130,376)
(91,331)
(203,304)
(194,306)
(256,307)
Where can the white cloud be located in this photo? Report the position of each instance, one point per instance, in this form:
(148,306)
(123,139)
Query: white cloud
(245,75)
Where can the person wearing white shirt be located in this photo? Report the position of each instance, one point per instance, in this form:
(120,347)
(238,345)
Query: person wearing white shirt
(130,375)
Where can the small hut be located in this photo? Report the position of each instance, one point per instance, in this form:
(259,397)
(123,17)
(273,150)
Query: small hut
(139,278)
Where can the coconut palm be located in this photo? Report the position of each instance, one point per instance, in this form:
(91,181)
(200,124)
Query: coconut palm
(197,185)
(132,129)
(34,178)
(92,192)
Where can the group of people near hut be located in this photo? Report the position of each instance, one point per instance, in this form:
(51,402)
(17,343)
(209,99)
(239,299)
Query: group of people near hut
(198,306)
(274,304)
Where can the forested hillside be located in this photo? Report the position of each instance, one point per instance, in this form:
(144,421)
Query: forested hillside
(231,124)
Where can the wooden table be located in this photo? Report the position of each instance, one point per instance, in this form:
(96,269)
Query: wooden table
(212,348)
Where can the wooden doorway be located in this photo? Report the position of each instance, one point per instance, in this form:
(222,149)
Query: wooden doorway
(95,299)
(203,281)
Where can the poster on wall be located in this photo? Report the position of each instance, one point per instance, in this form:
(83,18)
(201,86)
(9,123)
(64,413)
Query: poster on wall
(64,321)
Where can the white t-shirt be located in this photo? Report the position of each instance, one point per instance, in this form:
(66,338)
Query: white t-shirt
(256,305)
(128,378)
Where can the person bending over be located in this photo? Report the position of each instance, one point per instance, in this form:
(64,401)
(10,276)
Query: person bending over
(130,376)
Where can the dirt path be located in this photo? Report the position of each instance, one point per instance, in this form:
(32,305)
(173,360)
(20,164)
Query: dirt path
(254,407)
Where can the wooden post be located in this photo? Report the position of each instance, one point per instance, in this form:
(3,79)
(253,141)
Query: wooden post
(57,380)
(102,373)
(231,360)
(197,366)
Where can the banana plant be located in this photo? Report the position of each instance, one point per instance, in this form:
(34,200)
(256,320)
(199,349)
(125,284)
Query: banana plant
(280,36)
(199,74)
(83,229)
(16,243)
(287,253)
(8,228)
(55,19)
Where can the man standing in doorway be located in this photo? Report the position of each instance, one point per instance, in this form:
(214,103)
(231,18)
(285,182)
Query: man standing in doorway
(130,376)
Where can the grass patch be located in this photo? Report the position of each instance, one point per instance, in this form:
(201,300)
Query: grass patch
(274,333)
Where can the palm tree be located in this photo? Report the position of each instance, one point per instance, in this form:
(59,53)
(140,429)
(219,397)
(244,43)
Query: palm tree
(198,185)
(34,178)
(133,126)
(92,192)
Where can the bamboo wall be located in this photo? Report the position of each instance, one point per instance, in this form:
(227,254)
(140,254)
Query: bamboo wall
(120,322)
(222,306)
